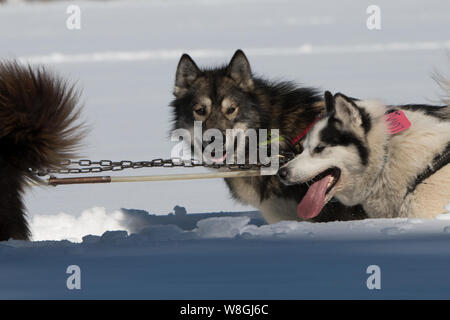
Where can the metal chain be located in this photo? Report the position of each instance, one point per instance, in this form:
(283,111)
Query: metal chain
(89,166)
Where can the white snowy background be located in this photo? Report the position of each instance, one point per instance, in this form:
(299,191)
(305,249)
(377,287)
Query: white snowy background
(124,59)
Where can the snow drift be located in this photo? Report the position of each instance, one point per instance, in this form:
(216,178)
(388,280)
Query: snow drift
(96,222)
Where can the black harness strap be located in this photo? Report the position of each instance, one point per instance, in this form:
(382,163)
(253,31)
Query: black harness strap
(439,162)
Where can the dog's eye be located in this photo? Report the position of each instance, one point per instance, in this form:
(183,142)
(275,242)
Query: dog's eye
(319,149)
(231,110)
(200,111)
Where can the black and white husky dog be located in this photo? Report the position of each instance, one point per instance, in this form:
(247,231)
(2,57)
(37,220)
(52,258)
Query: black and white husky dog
(392,160)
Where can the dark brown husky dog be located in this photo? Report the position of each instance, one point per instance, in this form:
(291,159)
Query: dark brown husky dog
(230,97)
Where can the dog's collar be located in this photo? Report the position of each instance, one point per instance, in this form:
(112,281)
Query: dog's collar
(385,150)
(385,160)
(305,131)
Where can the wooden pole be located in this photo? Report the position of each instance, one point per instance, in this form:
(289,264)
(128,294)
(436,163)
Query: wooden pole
(167,177)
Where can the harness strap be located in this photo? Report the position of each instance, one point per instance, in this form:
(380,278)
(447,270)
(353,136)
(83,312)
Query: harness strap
(440,161)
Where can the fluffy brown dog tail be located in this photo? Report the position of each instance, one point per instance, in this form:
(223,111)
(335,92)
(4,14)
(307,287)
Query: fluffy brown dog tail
(38,129)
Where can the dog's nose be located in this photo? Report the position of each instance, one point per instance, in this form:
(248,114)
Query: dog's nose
(283,173)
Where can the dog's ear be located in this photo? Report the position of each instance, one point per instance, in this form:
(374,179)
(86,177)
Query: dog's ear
(346,110)
(329,102)
(239,70)
(187,73)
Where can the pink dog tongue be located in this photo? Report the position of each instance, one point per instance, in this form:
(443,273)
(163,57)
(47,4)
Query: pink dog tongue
(314,200)
(219,160)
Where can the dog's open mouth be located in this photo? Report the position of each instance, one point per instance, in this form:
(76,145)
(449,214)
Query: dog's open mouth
(240,152)
(319,193)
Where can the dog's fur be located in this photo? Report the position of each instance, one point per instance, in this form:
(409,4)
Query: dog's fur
(38,129)
(231,97)
(377,169)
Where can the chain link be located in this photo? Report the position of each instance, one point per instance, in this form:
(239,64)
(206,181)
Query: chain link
(89,166)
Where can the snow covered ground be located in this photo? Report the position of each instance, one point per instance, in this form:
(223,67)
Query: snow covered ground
(124,57)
